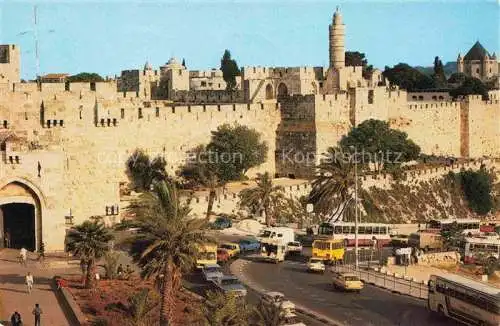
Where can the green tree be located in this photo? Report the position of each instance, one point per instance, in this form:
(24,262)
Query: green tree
(477,187)
(457,78)
(234,150)
(452,236)
(292,210)
(264,196)
(166,243)
(223,310)
(409,78)
(229,69)
(355,58)
(380,144)
(143,172)
(85,77)
(200,171)
(439,76)
(471,86)
(334,181)
(140,305)
(89,241)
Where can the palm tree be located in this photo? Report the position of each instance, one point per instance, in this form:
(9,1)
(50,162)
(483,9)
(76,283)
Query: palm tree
(166,243)
(264,196)
(140,304)
(223,310)
(89,241)
(268,314)
(334,181)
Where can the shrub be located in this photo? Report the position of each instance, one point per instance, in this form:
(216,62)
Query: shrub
(476,186)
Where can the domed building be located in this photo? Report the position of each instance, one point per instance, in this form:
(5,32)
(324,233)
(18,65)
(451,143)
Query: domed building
(478,63)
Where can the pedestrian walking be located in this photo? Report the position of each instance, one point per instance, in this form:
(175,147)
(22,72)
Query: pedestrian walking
(29,282)
(15,319)
(23,255)
(37,311)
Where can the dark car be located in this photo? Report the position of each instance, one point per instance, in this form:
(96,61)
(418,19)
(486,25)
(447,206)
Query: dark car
(222,223)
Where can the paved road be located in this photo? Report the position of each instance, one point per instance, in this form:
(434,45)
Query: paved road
(373,306)
(195,283)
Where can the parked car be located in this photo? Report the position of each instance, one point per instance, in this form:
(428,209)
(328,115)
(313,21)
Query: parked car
(233,249)
(316,265)
(231,284)
(292,319)
(249,245)
(221,223)
(278,299)
(222,256)
(212,272)
(347,282)
(294,247)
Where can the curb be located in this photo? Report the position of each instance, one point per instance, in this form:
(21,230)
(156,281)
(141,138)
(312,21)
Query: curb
(68,304)
(236,268)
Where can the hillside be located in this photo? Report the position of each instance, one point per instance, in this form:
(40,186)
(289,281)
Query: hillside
(449,69)
(420,200)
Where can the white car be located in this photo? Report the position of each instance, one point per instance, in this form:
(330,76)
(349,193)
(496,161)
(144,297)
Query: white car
(278,299)
(316,265)
(294,247)
(212,272)
(292,319)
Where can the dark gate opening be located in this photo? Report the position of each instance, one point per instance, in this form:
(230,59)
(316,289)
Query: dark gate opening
(19,224)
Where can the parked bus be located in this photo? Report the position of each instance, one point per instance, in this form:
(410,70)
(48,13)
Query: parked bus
(207,255)
(330,250)
(481,250)
(426,241)
(367,233)
(465,300)
(468,226)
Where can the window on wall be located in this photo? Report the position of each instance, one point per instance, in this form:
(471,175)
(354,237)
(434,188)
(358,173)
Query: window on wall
(203,83)
(477,71)
(122,113)
(140,113)
(370,97)
(157,112)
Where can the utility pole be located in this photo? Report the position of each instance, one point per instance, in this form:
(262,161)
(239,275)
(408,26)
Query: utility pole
(356,262)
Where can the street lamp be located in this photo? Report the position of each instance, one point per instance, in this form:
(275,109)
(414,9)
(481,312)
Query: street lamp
(356,263)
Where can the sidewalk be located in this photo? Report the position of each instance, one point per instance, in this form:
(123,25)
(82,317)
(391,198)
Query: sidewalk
(14,297)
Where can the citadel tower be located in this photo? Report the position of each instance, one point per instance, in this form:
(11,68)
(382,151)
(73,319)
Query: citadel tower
(337,35)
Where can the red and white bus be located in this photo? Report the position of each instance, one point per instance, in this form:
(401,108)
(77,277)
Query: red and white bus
(367,233)
(481,250)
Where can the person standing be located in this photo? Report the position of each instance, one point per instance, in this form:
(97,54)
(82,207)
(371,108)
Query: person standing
(15,319)
(29,282)
(7,239)
(37,311)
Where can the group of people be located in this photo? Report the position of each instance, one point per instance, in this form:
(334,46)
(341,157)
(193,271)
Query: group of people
(16,320)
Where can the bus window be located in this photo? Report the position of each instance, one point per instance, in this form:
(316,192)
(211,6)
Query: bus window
(346,229)
(353,230)
(383,230)
(361,230)
(376,230)
(338,229)
(368,230)
(492,248)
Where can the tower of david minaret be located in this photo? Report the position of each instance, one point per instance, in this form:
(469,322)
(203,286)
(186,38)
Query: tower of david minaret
(337,36)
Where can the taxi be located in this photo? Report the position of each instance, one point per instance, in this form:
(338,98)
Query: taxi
(233,249)
(347,282)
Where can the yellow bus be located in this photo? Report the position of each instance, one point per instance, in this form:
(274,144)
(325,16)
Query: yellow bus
(207,255)
(331,250)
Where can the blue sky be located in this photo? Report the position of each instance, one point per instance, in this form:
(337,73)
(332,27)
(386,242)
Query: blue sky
(110,36)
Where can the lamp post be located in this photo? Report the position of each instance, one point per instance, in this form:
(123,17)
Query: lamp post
(356,263)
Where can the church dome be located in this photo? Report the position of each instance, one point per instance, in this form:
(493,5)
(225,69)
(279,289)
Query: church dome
(173,63)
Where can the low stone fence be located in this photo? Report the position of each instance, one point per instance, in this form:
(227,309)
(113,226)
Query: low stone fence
(390,281)
(68,304)
(440,259)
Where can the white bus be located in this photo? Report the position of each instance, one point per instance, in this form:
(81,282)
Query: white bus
(469,226)
(481,250)
(367,232)
(465,300)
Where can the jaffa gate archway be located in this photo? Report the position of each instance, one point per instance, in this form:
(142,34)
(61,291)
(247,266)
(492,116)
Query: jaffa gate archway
(20,217)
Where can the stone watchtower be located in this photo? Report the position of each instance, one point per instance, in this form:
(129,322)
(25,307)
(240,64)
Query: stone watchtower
(337,36)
